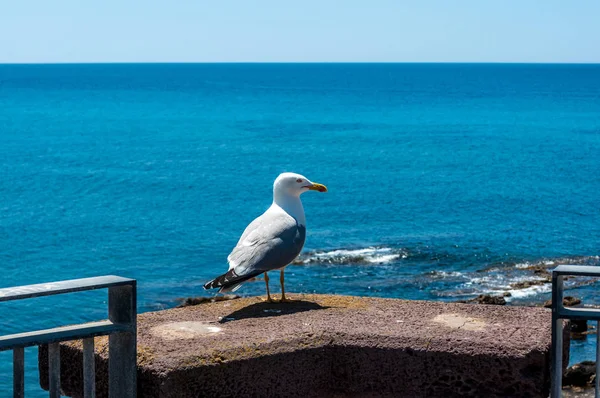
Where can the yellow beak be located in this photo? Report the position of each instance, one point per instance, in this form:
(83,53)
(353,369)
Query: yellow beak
(318,187)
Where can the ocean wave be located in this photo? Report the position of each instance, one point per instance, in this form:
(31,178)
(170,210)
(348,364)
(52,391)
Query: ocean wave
(528,291)
(444,274)
(509,286)
(368,255)
(551,263)
(524,279)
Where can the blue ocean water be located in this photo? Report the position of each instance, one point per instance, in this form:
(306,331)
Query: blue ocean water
(445,180)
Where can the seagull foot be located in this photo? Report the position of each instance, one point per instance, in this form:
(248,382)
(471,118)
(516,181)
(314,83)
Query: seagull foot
(285,300)
(268,300)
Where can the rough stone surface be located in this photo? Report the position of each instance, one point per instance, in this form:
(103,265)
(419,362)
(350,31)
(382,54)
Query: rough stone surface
(333,346)
(578,392)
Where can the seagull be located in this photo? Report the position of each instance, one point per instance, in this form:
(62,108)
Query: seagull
(271,241)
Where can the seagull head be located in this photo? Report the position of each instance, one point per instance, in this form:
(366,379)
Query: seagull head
(295,185)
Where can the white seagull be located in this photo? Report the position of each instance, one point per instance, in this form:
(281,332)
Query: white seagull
(271,241)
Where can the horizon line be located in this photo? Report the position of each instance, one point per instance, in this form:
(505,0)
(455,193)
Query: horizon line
(294,62)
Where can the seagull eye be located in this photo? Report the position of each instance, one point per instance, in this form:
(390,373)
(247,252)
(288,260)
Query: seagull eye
(299,180)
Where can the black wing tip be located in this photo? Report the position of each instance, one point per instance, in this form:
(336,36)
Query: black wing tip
(221,280)
(229,279)
(217,282)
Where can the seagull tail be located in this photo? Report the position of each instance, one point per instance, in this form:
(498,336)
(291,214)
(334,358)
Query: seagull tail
(230,281)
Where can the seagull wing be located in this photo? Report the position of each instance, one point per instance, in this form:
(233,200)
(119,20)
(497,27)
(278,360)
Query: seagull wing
(271,241)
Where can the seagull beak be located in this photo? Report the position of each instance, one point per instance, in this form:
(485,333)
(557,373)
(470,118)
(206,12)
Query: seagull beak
(317,187)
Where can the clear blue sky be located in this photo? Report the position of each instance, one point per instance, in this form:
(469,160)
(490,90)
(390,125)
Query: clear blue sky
(301,30)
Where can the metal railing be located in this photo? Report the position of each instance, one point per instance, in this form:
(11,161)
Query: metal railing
(120,326)
(560,312)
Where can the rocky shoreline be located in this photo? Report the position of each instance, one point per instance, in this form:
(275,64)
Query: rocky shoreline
(532,275)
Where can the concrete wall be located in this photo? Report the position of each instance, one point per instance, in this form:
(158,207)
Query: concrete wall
(331,346)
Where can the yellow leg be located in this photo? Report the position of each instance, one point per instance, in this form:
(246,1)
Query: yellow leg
(268,293)
(281,280)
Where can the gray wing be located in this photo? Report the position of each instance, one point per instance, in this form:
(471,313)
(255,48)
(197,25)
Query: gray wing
(270,242)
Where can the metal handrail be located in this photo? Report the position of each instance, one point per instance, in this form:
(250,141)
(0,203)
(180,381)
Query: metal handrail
(559,312)
(121,328)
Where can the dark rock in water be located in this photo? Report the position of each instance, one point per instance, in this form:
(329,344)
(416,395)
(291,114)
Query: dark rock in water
(507,294)
(578,325)
(541,271)
(580,329)
(203,300)
(486,299)
(580,375)
(568,301)
(526,284)
(548,303)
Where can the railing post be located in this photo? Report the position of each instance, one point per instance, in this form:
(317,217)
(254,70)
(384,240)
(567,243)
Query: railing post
(557,336)
(122,348)
(597,383)
(89,368)
(19,372)
(559,312)
(54,369)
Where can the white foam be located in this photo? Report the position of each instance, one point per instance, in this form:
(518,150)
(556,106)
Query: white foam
(446,274)
(499,284)
(552,263)
(373,255)
(527,264)
(523,265)
(529,291)
(383,259)
(478,280)
(352,253)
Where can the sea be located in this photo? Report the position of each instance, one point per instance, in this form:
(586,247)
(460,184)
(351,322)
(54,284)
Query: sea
(446,181)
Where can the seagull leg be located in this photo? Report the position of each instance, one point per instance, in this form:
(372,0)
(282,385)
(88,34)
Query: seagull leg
(268,293)
(281,280)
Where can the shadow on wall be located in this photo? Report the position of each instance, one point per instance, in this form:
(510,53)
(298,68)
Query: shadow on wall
(343,369)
